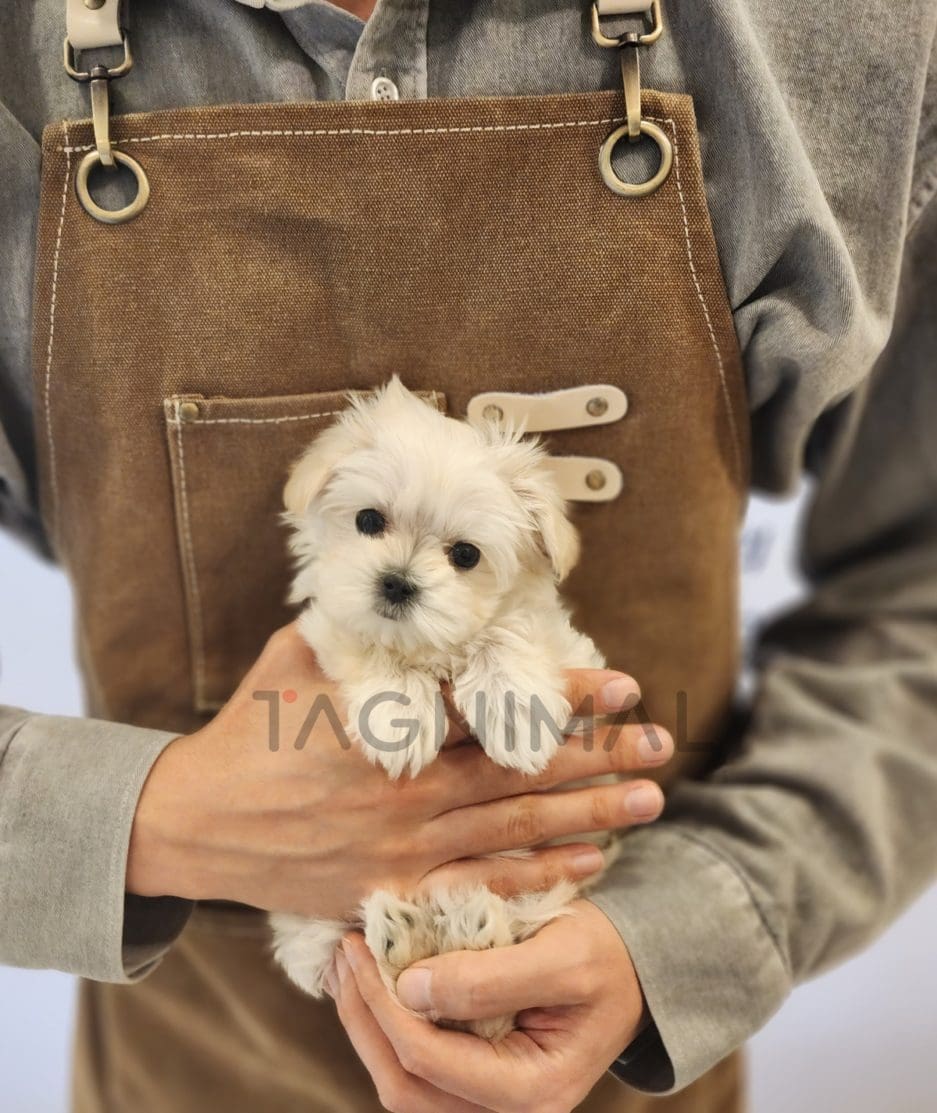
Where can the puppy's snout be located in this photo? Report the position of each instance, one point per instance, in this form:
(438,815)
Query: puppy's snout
(397,589)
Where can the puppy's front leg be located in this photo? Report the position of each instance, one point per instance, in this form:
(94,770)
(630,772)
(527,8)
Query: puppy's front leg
(515,703)
(399,718)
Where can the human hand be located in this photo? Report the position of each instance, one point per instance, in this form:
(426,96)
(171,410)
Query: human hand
(313,831)
(579,1005)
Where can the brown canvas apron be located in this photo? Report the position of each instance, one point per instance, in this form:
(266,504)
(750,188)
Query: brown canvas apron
(182,360)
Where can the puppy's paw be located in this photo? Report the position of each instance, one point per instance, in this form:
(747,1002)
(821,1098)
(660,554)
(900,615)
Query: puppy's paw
(306,949)
(539,722)
(490,921)
(474,920)
(399,721)
(398,932)
(519,725)
(471,920)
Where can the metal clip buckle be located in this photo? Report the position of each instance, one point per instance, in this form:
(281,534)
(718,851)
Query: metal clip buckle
(98,78)
(631,37)
(119,70)
(629,45)
(631,82)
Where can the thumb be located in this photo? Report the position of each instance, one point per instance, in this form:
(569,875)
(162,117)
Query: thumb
(478,985)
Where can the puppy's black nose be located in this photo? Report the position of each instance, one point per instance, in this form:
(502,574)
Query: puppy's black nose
(396,588)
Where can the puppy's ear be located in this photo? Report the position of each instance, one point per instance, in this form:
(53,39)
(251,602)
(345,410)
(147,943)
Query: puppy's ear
(314,468)
(558,537)
(530,477)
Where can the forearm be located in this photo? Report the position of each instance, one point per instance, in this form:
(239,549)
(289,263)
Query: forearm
(68,794)
(810,841)
(794,855)
(823,826)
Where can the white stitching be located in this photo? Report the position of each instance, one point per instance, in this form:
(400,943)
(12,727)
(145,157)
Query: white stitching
(311,132)
(174,421)
(194,598)
(699,291)
(53,478)
(252,420)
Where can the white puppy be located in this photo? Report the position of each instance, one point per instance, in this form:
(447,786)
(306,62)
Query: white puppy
(430,550)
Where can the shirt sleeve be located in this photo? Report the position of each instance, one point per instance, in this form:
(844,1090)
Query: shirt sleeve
(68,794)
(19,199)
(822,827)
(68,787)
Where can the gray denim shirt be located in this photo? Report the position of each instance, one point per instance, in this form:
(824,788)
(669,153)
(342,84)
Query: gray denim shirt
(819,137)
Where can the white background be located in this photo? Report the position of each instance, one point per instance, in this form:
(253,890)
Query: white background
(859,1040)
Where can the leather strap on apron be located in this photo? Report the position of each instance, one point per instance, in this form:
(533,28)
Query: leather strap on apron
(94,24)
(288,253)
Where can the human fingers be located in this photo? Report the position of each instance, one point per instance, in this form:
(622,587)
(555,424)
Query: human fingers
(478,985)
(493,1076)
(466,775)
(397,1090)
(535,818)
(600,692)
(508,876)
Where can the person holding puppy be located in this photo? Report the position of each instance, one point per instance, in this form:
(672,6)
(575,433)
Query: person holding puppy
(282,202)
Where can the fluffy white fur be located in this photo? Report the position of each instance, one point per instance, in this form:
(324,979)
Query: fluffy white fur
(497,632)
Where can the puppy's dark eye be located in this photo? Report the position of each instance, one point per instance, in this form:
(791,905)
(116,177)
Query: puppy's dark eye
(370,522)
(464,555)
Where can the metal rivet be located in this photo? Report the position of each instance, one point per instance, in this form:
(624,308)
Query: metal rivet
(596,480)
(93,5)
(492,413)
(597,406)
(189,411)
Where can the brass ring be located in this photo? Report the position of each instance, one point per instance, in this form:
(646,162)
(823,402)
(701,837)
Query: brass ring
(111,216)
(628,189)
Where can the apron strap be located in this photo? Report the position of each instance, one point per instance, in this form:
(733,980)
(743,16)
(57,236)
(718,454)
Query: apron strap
(92,24)
(628,45)
(623,7)
(649,9)
(95,25)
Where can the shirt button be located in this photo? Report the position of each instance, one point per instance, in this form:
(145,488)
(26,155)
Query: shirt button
(382,88)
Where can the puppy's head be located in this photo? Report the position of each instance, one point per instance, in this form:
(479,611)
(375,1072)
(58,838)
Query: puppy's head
(411,527)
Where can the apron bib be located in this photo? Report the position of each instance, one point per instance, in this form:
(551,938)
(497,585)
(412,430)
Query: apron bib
(183,360)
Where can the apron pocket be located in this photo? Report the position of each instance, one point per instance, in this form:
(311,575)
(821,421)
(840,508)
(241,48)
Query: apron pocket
(230,460)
